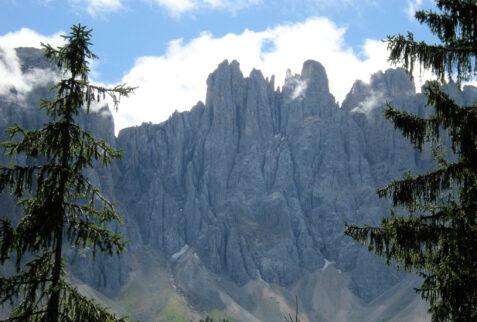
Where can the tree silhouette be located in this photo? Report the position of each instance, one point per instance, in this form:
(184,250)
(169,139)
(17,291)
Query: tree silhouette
(60,204)
(438,237)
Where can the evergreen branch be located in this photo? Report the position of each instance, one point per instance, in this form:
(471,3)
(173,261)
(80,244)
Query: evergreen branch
(441,60)
(7,239)
(92,148)
(14,238)
(33,277)
(417,129)
(39,224)
(25,316)
(449,114)
(447,27)
(426,187)
(85,232)
(461,122)
(17,179)
(409,239)
(437,239)
(96,93)
(76,307)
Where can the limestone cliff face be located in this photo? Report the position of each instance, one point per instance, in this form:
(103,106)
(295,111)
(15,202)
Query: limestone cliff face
(256,183)
(259,182)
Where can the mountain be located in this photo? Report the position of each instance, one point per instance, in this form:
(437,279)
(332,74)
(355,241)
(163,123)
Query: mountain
(234,208)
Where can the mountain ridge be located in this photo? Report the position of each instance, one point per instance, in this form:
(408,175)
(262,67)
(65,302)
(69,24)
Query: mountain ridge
(242,199)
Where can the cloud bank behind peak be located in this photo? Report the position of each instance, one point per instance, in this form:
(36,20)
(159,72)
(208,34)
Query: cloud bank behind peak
(176,80)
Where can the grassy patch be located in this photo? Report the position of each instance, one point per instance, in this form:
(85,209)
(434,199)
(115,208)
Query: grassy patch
(218,316)
(174,308)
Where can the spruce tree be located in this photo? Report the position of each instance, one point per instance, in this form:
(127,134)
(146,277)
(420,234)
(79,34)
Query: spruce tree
(61,206)
(437,239)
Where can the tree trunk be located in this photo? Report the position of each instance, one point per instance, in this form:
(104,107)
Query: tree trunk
(54,301)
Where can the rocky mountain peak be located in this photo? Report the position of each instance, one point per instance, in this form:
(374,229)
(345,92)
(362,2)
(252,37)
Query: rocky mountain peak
(223,83)
(314,74)
(393,82)
(365,98)
(31,58)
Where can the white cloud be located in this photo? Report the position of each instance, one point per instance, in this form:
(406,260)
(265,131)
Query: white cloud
(95,7)
(299,85)
(177,79)
(331,3)
(370,103)
(323,4)
(10,69)
(14,84)
(177,7)
(29,38)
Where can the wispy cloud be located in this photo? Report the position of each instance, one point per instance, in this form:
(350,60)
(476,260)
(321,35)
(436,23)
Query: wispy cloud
(322,4)
(97,7)
(296,83)
(374,100)
(29,38)
(178,7)
(332,3)
(14,84)
(413,6)
(174,7)
(92,7)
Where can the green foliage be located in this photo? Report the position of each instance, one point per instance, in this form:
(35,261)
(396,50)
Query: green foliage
(216,315)
(60,204)
(456,28)
(209,319)
(438,237)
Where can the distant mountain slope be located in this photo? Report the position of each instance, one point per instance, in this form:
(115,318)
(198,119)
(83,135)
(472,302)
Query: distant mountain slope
(238,205)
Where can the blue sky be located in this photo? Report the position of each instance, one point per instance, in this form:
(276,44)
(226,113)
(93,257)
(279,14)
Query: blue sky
(168,47)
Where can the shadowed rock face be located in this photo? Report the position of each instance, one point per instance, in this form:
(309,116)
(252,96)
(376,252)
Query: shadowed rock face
(256,182)
(260,181)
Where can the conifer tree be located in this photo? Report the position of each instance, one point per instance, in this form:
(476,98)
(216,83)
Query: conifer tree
(61,206)
(437,238)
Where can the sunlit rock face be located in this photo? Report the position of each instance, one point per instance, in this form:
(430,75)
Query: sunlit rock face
(248,192)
